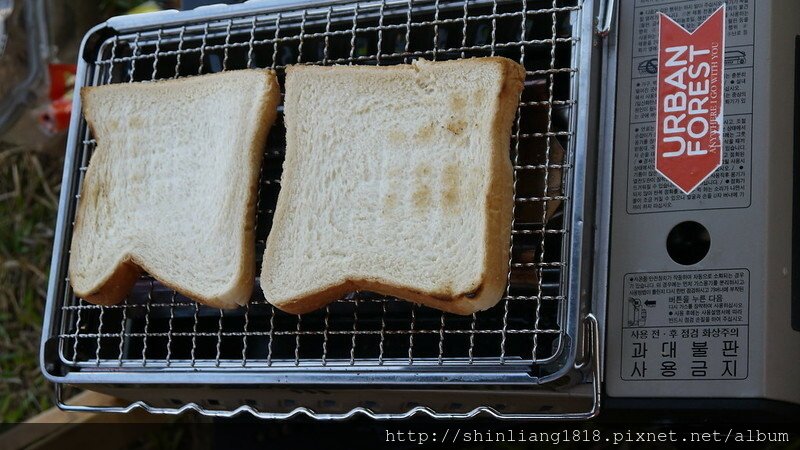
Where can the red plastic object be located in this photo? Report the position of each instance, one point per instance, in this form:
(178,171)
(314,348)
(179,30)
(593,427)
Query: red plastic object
(55,118)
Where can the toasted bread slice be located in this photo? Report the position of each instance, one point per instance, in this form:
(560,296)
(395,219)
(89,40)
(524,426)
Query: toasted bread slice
(171,187)
(397,180)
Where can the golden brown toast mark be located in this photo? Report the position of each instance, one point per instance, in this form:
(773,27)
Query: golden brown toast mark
(456,126)
(425,133)
(458,103)
(451,179)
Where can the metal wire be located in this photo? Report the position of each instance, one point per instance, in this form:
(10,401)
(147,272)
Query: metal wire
(545,186)
(418,410)
(166,329)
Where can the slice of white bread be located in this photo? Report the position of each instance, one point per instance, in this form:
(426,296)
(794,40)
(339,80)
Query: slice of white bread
(171,187)
(397,180)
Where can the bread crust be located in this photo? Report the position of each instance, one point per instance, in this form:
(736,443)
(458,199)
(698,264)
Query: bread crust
(489,288)
(117,284)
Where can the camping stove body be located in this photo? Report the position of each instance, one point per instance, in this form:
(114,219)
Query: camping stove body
(724,326)
(632,288)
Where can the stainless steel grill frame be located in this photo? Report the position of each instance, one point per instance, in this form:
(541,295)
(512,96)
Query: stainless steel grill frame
(537,332)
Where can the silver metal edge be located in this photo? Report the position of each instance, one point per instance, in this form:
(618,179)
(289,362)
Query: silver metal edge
(288,377)
(173,18)
(606,20)
(57,260)
(592,334)
(579,201)
(605,160)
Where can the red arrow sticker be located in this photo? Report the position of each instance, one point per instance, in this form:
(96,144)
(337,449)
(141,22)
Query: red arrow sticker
(690,100)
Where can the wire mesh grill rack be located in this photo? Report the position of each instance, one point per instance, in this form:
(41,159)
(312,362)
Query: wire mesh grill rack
(532,336)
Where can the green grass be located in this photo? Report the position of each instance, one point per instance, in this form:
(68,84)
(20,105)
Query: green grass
(29,185)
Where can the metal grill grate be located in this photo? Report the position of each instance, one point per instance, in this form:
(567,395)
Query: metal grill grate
(531,327)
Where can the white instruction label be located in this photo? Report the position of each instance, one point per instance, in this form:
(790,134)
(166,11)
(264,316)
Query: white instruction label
(689,325)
